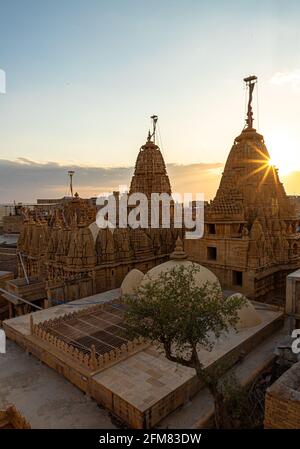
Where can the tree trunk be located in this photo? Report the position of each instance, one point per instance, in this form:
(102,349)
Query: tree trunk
(222,417)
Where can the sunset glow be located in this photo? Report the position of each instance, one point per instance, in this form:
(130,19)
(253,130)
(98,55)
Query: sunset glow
(64,103)
(284,151)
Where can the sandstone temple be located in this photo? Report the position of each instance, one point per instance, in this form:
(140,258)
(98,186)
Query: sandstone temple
(80,275)
(66,256)
(251,239)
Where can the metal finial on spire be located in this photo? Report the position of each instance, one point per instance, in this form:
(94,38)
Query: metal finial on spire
(250,83)
(154,119)
(71,173)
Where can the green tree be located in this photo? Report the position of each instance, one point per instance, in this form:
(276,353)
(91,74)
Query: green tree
(182,317)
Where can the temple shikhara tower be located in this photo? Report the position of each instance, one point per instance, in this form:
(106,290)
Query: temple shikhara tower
(251,240)
(150,174)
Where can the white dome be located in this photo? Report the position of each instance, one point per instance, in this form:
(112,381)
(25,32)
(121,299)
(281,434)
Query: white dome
(178,258)
(248,316)
(131,282)
(201,277)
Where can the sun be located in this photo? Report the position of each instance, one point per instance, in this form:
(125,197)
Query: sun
(284,150)
(285,163)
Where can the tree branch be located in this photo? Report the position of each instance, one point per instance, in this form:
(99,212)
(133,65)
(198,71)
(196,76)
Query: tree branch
(172,358)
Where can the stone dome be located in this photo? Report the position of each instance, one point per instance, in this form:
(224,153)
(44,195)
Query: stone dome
(131,282)
(179,258)
(248,316)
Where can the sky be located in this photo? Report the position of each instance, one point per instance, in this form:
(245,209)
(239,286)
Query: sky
(84,77)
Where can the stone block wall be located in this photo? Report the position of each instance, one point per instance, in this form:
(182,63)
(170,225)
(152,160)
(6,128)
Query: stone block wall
(282,405)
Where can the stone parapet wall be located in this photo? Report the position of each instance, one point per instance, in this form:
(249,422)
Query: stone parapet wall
(87,358)
(282,405)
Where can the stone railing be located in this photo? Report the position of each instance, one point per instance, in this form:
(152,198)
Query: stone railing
(54,322)
(86,357)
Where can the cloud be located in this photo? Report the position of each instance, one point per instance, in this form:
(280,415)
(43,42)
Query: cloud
(192,178)
(291,78)
(24,180)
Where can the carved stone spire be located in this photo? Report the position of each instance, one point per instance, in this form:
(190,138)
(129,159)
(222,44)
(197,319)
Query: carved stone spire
(178,253)
(150,174)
